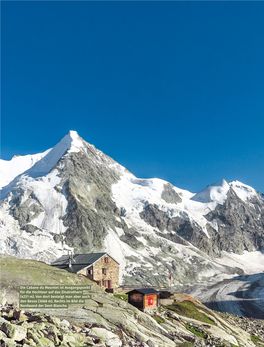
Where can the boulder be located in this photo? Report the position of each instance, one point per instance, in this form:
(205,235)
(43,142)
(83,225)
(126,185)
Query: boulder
(3,300)
(110,339)
(2,334)
(6,342)
(52,333)
(15,332)
(54,320)
(20,315)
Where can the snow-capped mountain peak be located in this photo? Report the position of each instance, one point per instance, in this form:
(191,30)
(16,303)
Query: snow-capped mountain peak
(73,196)
(213,193)
(70,142)
(39,165)
(76,143)
(243,191)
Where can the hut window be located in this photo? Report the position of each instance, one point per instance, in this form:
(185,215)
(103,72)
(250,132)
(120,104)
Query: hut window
(106,260)
(104,271)
(90,271)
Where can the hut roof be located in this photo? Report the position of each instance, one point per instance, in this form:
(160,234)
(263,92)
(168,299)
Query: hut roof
(145,291)
(78,261)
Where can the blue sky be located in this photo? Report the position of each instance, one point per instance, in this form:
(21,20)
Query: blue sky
(173,90)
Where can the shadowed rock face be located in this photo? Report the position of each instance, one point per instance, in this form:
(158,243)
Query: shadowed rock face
(240,226)
(181,230)
(25,209)
(169,194)
(91,211)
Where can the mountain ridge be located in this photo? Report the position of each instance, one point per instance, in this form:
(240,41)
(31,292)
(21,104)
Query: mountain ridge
(77,198)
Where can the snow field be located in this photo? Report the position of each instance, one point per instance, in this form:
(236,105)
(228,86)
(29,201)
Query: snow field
(9,169)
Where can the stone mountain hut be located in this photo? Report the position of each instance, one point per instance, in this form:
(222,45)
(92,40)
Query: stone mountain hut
(99,267)
(144,299)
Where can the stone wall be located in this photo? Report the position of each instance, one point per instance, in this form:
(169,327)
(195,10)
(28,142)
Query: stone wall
(85,271)
(111,272)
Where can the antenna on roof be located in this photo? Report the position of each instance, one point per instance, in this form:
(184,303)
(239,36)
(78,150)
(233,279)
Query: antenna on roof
(70,258)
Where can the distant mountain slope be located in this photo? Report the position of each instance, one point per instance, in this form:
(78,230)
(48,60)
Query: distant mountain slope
(74,197)
(17,165)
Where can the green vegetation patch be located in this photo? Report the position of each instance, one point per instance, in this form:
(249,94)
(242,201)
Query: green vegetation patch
(189,309)
(158,319)
(196,332)
(255,339)
(16,272)
(121,297)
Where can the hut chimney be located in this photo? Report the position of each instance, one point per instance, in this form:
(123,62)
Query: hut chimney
(70,258)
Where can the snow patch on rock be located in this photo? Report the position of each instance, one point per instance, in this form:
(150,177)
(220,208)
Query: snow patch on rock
(19,243)
(132,195)
(243,191)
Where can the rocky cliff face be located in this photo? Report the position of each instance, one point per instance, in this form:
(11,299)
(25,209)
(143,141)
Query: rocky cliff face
(240,224)
(234,226)
(74,197)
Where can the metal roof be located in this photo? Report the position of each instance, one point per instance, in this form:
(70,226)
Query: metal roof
(79,261)
(144,291)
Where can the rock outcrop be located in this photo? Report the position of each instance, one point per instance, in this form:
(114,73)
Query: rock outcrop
(240,224)
(118,324)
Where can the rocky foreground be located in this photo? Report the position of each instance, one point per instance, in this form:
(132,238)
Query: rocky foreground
(253,326)
(108,321)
